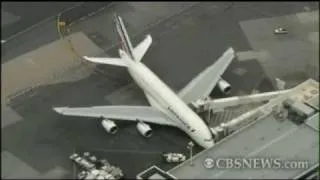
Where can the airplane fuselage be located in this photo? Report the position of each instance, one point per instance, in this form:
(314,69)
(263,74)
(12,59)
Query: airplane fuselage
(170,103)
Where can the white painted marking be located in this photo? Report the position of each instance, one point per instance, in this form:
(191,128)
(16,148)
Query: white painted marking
(240,71)
(3,41)
(249,55)
(93,13)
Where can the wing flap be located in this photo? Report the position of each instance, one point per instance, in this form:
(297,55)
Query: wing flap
(203,83)
(144,113)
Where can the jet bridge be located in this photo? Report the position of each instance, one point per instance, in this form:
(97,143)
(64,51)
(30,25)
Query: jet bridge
(226,115)
(303,100)
(220,104)
(207,104)
(271,135)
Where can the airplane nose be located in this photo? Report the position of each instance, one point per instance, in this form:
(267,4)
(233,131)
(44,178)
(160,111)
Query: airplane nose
(208,144)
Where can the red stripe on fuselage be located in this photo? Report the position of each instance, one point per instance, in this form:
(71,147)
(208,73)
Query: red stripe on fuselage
(124,41)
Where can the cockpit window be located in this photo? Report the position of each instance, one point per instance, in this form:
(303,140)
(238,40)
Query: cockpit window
(193,130)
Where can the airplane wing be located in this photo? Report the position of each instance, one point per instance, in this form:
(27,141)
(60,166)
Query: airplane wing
(203,83)
(142,48)
(131,113)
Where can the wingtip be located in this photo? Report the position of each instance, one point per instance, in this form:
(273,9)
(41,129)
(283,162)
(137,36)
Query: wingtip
(58,109)
(149,37)
(87,58)
(230,52)
(231,49)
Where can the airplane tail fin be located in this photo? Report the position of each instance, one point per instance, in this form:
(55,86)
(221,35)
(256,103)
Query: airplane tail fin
(137,52)
(126,51)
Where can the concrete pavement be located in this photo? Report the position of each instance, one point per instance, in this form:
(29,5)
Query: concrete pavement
(183,46)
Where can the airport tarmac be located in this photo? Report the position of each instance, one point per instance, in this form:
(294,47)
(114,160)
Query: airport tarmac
(18,16)
(183,45)
(22,26)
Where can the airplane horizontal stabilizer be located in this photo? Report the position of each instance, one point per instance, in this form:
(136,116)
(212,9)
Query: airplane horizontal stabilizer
(106,60)
(140,50)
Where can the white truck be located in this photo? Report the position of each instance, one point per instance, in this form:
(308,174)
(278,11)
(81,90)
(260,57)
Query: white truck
(280,30)
(174,157)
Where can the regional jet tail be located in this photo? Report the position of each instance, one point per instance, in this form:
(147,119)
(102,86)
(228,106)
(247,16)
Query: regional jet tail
(167,107)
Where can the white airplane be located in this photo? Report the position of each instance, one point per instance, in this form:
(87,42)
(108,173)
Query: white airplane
(167,107)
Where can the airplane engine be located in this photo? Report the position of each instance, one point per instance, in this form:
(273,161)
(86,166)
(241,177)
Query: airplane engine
(144,129)
(109,126)
(224,86)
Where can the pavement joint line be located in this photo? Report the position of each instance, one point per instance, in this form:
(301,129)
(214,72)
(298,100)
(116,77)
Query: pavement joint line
(41,22)
(88,15)
(152,25)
